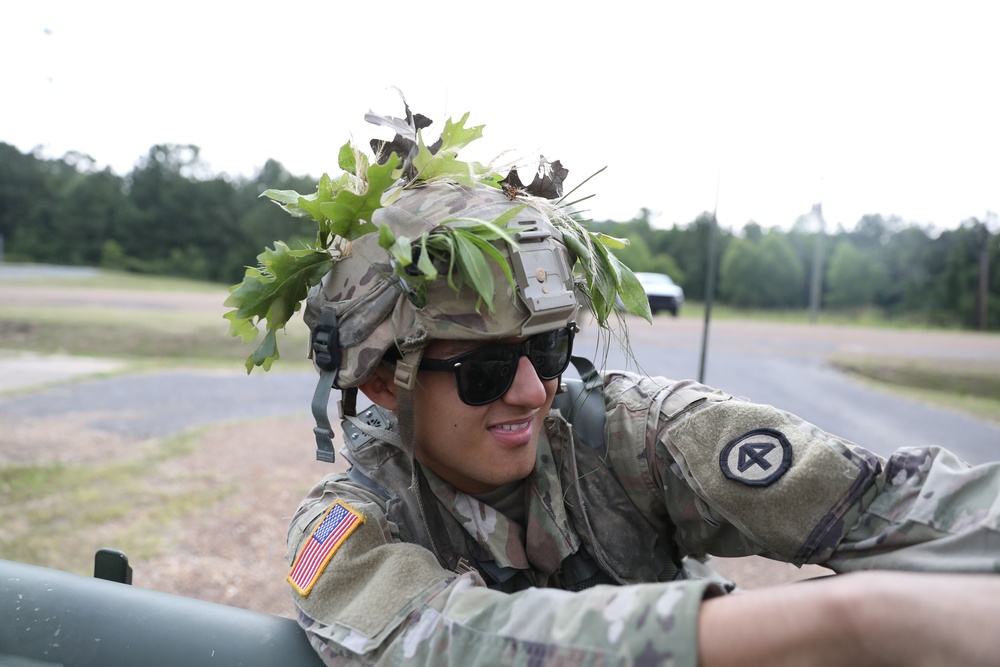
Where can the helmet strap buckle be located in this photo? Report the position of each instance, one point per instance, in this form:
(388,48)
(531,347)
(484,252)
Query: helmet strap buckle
(325,346)
(406,370)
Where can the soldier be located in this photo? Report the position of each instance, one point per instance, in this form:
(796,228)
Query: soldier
(496,514)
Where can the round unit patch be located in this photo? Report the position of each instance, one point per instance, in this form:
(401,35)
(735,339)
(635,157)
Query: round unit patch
(756,458)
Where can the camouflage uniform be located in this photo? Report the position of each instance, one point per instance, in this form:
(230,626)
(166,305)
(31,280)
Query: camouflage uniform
(435,576)
(587,566)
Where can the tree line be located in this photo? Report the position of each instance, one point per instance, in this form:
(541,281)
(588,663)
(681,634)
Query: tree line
(900,270)
(171,216)
(168,216)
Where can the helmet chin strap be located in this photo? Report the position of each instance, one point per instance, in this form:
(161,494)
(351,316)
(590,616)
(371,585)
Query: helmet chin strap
(406,378)
(323,431)
(325,352)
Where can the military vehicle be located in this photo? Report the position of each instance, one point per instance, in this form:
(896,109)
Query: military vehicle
(49,617)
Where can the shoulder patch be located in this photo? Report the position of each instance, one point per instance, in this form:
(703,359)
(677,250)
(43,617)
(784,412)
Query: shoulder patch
(332,530)
(756,458)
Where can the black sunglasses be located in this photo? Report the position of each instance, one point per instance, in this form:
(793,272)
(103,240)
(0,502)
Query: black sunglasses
(486,373)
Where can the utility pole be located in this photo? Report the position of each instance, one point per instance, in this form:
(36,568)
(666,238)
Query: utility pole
(984,276)
(709,282)
(816,280)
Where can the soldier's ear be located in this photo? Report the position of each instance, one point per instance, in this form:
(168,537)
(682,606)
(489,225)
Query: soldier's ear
(380,388)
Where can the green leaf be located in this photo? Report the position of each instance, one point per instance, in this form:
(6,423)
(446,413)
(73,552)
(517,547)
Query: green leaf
(604,286)
(273,293)
(385,237)
(349,213)
(346,159)
(402,251)
(611,241)
(442,164)
(445,162)
(455,136)
(493,181)
(491,250)
(605,277)
(286,197)
(445,246)
(474,268)
(265,354)
(632,294)
(424,262)
(578,247)
(310,204)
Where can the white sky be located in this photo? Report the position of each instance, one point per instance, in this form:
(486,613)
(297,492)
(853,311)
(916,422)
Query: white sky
(868,107)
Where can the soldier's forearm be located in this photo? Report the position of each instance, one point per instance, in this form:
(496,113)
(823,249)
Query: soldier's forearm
(860,619)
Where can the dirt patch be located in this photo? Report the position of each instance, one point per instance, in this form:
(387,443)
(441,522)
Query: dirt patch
(233,551)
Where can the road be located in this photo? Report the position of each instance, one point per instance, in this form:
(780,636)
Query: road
(786,365)
(783,365)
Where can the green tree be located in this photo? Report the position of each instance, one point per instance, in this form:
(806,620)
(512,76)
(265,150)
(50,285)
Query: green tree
(645,250)
(854,277)
(906,261)
(689,244)
(260,220)
(56,211)
(113,256)
(762,274)
(956,295)
(184,225)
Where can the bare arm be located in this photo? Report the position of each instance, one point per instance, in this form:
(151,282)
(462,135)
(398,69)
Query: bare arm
(870,618)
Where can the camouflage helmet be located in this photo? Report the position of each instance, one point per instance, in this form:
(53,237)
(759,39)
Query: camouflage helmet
(416,245)
(373,305)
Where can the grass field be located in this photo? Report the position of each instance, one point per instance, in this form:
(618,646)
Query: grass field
(152,321)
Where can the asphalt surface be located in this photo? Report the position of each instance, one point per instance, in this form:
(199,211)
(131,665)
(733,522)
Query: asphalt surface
(166,403)
(787,366)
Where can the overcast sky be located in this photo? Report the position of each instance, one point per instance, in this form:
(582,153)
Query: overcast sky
(867,107)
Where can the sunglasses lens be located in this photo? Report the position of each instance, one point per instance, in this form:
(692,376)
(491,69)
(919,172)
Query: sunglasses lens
(486,374)
(550,352)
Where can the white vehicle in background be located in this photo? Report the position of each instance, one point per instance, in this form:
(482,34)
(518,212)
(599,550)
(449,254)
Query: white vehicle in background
(663,293)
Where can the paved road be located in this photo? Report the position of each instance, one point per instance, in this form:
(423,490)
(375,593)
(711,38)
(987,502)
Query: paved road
(785,366)
(780,365)
(160,404)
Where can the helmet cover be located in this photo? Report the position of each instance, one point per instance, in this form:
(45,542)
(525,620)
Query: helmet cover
(376,309)
(416,245)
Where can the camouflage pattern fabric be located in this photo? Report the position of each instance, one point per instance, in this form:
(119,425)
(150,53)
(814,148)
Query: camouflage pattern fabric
(373,312)
(715,475)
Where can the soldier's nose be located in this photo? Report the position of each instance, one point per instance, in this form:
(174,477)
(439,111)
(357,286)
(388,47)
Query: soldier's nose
(527,388)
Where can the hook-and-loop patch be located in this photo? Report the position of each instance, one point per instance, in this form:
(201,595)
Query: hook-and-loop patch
(756,458)
(332,530)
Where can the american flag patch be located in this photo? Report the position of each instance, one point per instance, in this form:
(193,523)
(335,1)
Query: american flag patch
(337,524)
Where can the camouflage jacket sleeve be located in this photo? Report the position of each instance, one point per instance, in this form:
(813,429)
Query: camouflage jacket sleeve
(381,601)
(739,478)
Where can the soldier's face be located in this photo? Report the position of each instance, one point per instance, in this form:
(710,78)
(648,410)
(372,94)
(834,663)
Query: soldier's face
(478,448)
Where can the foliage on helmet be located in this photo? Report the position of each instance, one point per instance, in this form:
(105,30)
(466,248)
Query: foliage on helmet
(343,208)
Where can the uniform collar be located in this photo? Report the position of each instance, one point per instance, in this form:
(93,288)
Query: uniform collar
(546,539)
